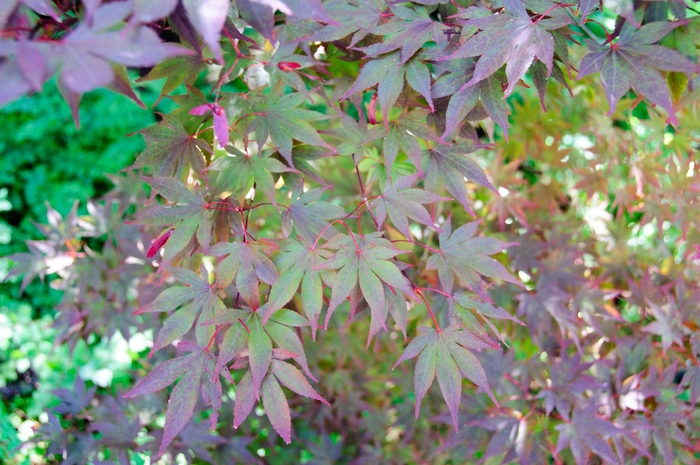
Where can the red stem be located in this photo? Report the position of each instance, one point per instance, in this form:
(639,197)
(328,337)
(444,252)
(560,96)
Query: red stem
(357,248)
(434,290)
(206,349)
(430,310)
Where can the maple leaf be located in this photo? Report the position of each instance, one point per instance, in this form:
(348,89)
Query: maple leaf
(364,261)
(171,150)
(239,173)
(298,265)
(190,217)
(273,398)
(190,370)
(348,19)
(692,378)
(176,71)
(664,326)
(467,258)
(403,135)
(401,201)
(408,30)
(198,300)
(248,263)
(587,432)
(509,38)
(464,99)
(87,50)
(446,354)
(260,353)
(309,215)
(463,301)
(282,121)
(448,166)
(208,17)
(634,60)
(389,73)
(355,138)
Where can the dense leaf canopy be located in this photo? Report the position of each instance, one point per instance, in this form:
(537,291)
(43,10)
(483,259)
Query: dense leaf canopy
(327,164)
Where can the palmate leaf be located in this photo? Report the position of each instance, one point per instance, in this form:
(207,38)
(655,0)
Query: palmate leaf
(190,369)
(509,38)
(86,52)
(400,201)
(446,354)
(273,398)
(389,72)
(588,432)
(190,217)
(239,173)
(465,99)
(298,265)
(463,301)
(408,30)
(635,61)
(309,215)
(355,138)
(171,150)
(369,267)
(248,263)
(403,136)
(176,71)
(247,331)
(282,121)
(448,167)
(266,367)
(467,258)
(349,19)
(198,300)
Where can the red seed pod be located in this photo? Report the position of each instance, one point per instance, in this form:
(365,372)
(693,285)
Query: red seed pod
(372,110)
(288,66)
(158,243)
(220,120)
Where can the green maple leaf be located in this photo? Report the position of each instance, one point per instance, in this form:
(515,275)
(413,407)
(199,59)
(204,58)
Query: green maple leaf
(171,151)
(446,354)
(309,215)
(467,257)
(198,300)
(369,267)
(191,370)
(464,98)
(248,263)
(176,71)
(240,172)
(635,61)
(354,138)
(248,338)
(389,73)
(282,120)
(448,166)
(400,201)
(190,216)
(461,304)
(298,265)
(403,135)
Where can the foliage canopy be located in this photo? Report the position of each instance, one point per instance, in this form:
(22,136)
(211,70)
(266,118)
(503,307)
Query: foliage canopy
(328,165)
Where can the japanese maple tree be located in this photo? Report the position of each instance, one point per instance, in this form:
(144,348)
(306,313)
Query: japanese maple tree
(343,186)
